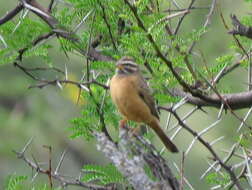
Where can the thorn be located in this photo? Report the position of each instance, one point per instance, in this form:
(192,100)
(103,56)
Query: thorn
(60,162)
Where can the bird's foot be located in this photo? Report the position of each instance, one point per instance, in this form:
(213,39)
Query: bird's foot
(135,131)
(123,123)
(139,130)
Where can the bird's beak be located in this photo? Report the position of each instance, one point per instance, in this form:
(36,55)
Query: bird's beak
(119,66)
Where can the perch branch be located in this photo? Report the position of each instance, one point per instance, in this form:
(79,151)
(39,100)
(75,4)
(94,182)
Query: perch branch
(235,100)
(132,167)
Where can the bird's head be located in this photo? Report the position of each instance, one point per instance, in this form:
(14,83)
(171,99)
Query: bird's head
(126,65)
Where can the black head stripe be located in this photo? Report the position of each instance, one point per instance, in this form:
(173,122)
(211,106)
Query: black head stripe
(130,69)
(128,65)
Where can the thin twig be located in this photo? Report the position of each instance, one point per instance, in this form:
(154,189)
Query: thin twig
(50,6)
(60,162)
(83,20)
(49,171)
(182,18)
(207,22)
(182,171)
(210,149)
(11,14)
(63,180)
(108,25)
(225,102)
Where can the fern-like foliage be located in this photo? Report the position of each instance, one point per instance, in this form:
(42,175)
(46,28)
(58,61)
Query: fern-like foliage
(102,174)
(15,182)
(217,179)
(20,37)
(85,125)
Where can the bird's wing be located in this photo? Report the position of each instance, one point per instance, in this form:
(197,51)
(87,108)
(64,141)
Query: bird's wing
(145,93)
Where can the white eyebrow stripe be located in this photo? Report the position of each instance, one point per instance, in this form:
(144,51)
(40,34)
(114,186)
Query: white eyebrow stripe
(130,63)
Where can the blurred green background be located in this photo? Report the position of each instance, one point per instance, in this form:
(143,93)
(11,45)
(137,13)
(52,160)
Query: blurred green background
(45,113)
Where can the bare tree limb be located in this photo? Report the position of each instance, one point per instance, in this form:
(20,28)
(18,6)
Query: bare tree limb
(65,182)
(235,100)
(183,17)
(11,14)
(228,169)
(50,6)
(132,167)
(105,18)
(239,28)
(45,15)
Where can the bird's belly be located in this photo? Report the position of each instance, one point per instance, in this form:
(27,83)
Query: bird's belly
(131,110)
(129,103)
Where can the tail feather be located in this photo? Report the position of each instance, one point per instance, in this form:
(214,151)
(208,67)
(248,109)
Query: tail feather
(163,137)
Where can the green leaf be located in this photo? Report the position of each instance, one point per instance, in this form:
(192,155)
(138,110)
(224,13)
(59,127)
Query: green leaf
(14,182)
(104,174)
(218,179)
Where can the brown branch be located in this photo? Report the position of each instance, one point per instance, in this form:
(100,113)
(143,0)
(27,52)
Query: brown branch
(235,100)
(157,163)
(25,71)
(104,16)
(46,69)
(235,38)
(239,28)
(34,43)
(56,176)
(192,8)
(49,171)
(184,54)
(224,101)
(228,169)
(11,14)
(43,13)
(50,6)
(183,17)
(206,23)
(142,153)
(226,71)
(182,168)
(44,83)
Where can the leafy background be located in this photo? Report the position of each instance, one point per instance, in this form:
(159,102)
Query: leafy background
(45,114)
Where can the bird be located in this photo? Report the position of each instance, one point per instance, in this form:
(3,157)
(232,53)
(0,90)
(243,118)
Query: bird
(132,96)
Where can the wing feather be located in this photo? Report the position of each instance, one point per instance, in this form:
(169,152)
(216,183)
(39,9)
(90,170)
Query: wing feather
(145,94)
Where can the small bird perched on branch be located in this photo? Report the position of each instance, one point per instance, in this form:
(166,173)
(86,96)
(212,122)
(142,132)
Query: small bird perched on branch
(131,94)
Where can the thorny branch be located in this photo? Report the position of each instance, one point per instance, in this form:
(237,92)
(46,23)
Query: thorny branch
(183,17)
(240,29)
(235,100)
(11,14)
(129,157)
(105,18)
(210,149)
(46,16)
(64,181)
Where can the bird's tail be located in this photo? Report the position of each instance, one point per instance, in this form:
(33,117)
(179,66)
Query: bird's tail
(164,138)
